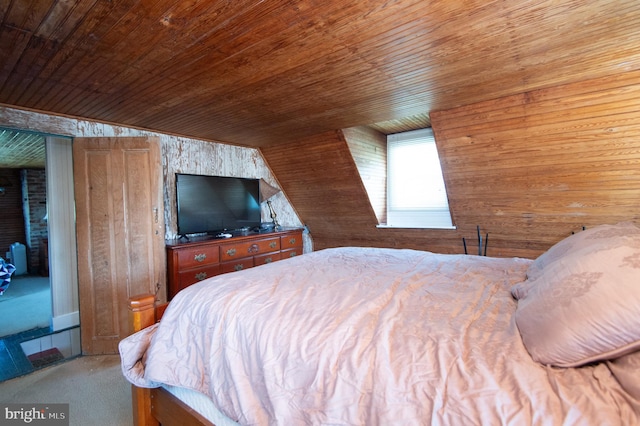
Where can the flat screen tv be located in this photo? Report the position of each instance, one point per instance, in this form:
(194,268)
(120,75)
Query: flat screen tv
(213,204)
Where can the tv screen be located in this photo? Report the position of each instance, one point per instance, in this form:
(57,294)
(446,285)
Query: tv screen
(210,204)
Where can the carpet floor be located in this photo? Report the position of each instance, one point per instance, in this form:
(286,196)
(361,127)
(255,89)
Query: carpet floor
(93,386)
(25,305)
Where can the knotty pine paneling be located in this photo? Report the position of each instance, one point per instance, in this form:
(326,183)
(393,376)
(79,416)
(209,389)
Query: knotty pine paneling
(320,178)
(528,169)
(267,72)
(369,150)
(533,167)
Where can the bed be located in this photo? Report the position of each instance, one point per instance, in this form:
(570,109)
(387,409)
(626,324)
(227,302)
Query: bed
(366,336)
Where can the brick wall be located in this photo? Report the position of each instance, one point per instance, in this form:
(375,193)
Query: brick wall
(25,191)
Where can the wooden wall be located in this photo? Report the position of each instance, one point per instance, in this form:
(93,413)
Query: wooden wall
(528,169)
(369,150)
(533,167)
(322,180)
(320,174)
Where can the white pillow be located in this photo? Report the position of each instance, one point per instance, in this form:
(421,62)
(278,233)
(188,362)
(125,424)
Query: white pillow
(583,302)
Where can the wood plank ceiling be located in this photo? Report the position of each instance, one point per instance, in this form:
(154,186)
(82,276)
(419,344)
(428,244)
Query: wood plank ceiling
(265,72)
(21,150)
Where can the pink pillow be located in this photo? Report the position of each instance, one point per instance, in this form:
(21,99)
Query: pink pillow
(590,238)
(583,305)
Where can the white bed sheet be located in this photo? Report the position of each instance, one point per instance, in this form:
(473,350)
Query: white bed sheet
(200,403)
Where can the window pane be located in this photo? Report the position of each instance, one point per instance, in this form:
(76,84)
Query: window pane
(416,191)
(416,178)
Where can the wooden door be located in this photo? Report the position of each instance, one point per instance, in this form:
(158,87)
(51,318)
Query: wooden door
(120,230)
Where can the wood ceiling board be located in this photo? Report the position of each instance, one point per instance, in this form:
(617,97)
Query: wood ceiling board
(21,150)
(258,73)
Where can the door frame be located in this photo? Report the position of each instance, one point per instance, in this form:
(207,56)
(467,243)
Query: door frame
(63,264)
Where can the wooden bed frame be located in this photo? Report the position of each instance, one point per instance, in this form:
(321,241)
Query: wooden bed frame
(153,407)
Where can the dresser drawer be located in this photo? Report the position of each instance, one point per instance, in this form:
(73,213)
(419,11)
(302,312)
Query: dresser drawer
(286,254)
(198,256)
(291,240)
(263,259)
(237,265)
(191,261)
(248,248)
(192,276)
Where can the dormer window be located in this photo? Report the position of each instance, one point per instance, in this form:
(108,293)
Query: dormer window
(416,194)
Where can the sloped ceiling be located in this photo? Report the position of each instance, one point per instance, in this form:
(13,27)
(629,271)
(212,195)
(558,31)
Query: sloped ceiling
(261,73)
(21,150)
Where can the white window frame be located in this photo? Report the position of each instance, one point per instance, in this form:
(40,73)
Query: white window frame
(418,207)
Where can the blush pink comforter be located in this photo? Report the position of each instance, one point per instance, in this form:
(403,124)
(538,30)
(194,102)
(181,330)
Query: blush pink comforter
(367,336)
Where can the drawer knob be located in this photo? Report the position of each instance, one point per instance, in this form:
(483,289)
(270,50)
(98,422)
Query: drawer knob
(253,248)
(201,276)
(200,257)
(238,267)
(292,254)
(231,252)
(273,244)
(268,260)
(292,241)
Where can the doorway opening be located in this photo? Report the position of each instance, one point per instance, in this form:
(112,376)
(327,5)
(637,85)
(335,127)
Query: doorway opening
(27,339)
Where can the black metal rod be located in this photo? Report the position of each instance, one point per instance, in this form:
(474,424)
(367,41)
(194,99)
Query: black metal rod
(486,243)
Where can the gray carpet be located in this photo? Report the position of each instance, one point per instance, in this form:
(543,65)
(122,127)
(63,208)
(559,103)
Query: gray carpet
(25,305)
(93,386)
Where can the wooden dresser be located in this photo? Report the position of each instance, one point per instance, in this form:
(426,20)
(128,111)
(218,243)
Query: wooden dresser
(193,261)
